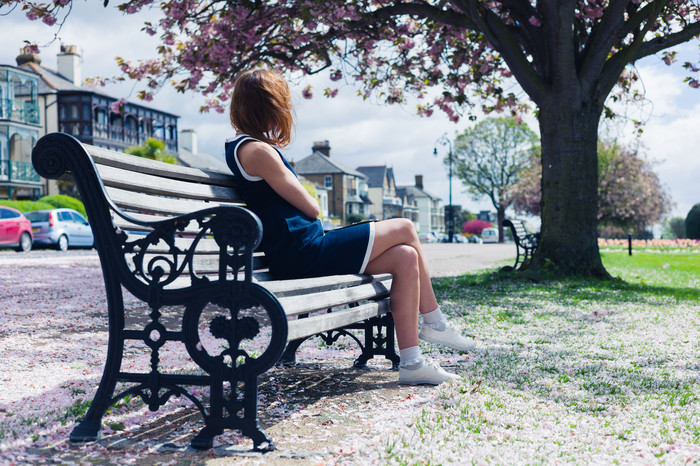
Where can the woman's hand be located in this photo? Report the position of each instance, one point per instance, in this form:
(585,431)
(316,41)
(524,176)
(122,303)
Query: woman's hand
(259,159)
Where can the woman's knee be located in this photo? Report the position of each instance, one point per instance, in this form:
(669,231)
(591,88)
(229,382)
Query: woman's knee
(407,260)
(405,229)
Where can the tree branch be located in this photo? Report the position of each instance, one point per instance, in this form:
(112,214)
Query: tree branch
(639,16)
(511,50)
(614,65)
(602,38)
(660,43)
(424,10)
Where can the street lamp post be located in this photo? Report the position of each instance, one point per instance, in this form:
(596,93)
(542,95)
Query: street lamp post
(450,220)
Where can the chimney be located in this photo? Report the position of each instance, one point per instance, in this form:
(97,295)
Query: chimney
(323,147)
(419,181)
(25,56)
(188,140)
(69,64)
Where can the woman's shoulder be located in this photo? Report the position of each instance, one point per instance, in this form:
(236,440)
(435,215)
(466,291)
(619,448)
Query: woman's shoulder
(253,147)
(257,157)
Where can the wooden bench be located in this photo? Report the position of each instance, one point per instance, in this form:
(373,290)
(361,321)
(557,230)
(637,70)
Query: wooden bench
(179,240)
(525,242)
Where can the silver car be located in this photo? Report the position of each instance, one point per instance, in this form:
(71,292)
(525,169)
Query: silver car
(61,228)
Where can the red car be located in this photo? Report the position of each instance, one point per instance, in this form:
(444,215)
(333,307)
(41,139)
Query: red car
(15,230)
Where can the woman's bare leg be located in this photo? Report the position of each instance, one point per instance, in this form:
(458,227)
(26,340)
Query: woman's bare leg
(398,251)
(402,262)
(400,231)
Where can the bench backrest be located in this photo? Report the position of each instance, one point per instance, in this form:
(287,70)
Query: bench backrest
(123,192)
(517,228)
(149,190)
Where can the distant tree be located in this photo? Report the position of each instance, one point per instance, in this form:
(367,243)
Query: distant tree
(475,227)
(354,218)
(630,195)
(527,193)
(464,217)
(311,189)
(675,228)
(489,158)
(692,223)
(153,149)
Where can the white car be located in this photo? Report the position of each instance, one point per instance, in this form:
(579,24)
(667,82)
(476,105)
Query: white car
(428,237)
(489,235)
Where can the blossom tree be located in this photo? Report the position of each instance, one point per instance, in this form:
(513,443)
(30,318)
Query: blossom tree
(630,195)
(568,57)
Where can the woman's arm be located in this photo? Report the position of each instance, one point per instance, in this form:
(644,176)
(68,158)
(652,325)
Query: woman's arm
(259,159)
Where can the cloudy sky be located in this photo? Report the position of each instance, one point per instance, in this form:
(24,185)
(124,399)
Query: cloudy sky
(359,132)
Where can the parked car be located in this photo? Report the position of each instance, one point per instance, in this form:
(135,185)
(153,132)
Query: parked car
(428,237)
(456,238)
(474,239)
(15,230)
(60,228)
(489,235)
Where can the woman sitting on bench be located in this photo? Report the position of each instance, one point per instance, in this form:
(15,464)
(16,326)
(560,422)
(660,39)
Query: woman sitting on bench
(294,240)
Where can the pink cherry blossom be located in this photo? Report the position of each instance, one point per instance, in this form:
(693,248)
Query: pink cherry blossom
(307,93)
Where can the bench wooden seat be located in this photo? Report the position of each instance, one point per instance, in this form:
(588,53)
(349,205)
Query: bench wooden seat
(179,238)
(525,242)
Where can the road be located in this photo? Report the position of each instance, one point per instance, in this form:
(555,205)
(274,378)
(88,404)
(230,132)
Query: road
(443,259)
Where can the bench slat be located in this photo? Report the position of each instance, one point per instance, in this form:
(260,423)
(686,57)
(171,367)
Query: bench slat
(302,328)
(169,207)
(295,287)
(141,165)
(326,299)
(129,226)
(145,183)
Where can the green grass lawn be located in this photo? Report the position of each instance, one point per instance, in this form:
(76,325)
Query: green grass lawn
(675,270)
(576,371)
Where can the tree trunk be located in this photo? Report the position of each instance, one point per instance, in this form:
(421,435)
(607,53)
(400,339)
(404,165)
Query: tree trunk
(568,236)
(500,215)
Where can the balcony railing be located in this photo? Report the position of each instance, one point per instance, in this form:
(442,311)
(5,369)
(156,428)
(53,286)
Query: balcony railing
(390,200)
(12,170)
(75,128)
(129,135)
(25,112)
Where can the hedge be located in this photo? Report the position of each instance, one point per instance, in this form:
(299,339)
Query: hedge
(58,201)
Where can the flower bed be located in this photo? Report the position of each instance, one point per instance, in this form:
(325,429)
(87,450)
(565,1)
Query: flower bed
(652,244)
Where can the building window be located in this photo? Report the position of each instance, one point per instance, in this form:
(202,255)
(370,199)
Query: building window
(159,130)
(328,182)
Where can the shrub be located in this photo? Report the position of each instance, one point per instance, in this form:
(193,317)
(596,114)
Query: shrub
(26,206)
(692,223)
(61,201)
(675,228)
(475,227)
(354,218)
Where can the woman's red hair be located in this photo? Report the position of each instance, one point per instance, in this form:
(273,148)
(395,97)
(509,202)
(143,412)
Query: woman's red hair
(261,107)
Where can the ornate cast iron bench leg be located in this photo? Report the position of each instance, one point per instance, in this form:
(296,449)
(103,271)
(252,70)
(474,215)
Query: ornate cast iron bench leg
(89,429)
(380,343)
(234,366)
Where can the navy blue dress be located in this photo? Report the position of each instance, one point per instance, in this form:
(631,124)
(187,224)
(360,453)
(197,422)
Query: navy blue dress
(296,245)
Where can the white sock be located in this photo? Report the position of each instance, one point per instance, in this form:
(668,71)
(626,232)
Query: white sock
(435,319)
(411,357)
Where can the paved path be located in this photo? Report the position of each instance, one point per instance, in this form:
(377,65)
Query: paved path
(443,259)
(455,259)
